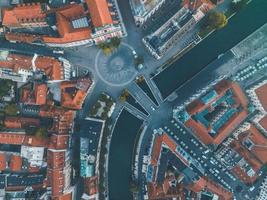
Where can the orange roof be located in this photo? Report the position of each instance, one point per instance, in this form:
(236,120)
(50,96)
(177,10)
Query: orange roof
(20,122)
(2,161)
(40,93)
(23,13)
(11,138)
(35,141)
(55,159)
(156,149)
(195,4)
(73,93)
(50,66)
(91,185)
(67,33)
(59,141)
(196,106)
(205,183)
(169,142)
(99,12)
(56,181)
(263,122)
(242,175)
(164,190)
(229,126)
(15,163)
(247,155)
(22,37)
(64,197)
(261,93)
(259,143)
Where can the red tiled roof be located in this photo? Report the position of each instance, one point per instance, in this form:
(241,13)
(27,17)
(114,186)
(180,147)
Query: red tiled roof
(259,146)
(59,141)
(164,191)
(91,185)
(11,138)
(156,149)
(23,13)
(56,181)
(52,67)
(263,122)
(15,163)
(67,33)
(205,183)
(20,122)
(261,93)
(195,4)
(35,141)
(196,106)
(99,12)
(2,161)
(247,155)
(242,175)
(40,93)
(73,93)
(169,142)
(64,197)
(22,37)
(55,159)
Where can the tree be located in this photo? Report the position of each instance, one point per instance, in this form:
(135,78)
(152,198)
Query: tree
(216,20)
(30,130)
(139,60)
(115,42)
(11,109)
(134,186)
(5,86)
(41,133)
(124,95)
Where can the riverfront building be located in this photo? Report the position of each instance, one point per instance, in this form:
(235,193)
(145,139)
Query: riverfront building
(213,116)
(143,9)
(70,25)
(90,136)
(163,184)
(178,28)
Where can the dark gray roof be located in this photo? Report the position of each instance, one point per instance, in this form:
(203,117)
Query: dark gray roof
(90,131)
(25,180)
(2,181)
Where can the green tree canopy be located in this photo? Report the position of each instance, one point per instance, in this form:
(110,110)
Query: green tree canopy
(41,133)
(216,20)
(11,109)
(5,86)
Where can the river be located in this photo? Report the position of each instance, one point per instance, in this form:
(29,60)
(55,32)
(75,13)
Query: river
(239,27)
(127,126)
(121,154)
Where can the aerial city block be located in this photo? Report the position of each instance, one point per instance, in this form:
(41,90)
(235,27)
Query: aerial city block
(133,100)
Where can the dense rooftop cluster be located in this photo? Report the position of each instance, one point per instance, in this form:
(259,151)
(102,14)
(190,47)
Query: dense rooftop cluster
(70,25)
(38,137)
(231,123)
(182,182)
(216,114)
